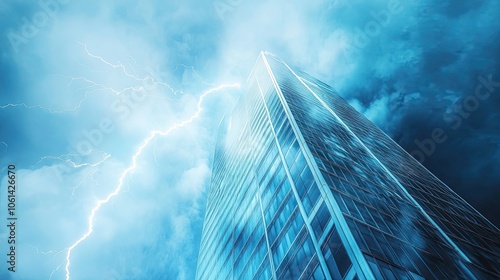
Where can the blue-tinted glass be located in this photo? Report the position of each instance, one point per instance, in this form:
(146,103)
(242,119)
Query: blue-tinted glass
(338,261)
(381,214)
(320,220)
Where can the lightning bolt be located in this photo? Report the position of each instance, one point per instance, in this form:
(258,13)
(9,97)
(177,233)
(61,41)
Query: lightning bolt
(92,86)
(66,158)
(87,175)
(38,251)
(195,74)
(55,270)
(88,86)
(29,107)
(153,134)
(97,86)
(122,67)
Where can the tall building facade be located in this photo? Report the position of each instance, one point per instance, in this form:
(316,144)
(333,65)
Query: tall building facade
(305,187)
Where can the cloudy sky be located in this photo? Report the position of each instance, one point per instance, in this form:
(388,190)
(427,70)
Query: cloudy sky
(86,89)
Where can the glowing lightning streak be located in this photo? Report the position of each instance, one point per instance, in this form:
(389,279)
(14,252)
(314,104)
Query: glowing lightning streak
(127,73)
(38,251)
(89,174)
(28,107)
(93,86)
(127,171)
(66,158)
(195,74)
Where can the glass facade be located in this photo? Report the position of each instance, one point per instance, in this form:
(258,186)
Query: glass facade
(305,187)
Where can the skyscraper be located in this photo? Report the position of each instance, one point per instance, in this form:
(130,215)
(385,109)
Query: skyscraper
(305,187)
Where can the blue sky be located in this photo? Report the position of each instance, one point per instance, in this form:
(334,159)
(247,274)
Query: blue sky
(82,85)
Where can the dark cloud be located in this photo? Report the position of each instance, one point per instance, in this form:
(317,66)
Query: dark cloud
(457,42)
